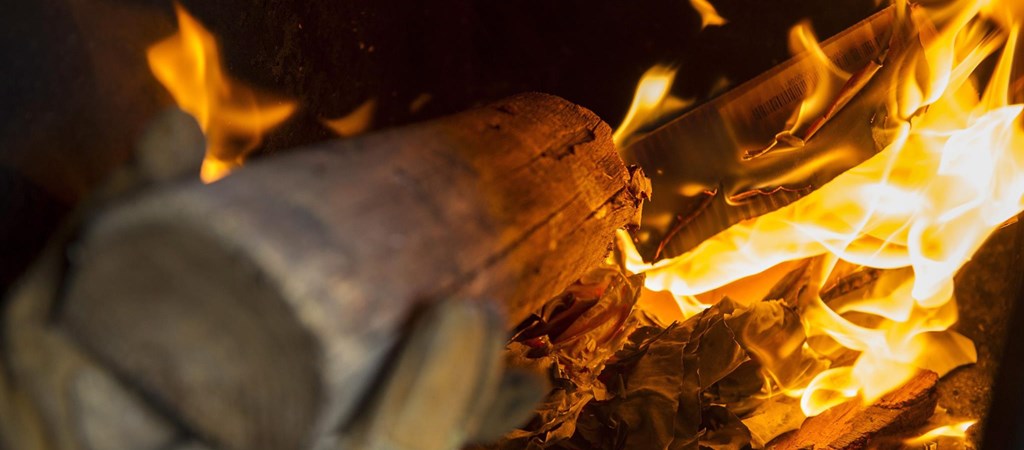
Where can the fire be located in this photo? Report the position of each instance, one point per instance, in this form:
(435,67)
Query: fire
(708,15)
(958,431)
(233,116)
(951,173)
(651,102)
(355,122)
(827,79)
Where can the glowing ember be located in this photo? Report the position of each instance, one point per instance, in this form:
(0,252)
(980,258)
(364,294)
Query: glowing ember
(949,174)
(958,431)
(233,116)
(708,15)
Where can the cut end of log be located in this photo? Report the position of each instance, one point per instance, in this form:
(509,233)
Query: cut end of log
(201,332)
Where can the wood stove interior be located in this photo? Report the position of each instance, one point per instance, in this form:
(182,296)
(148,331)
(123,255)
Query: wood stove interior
(79,94)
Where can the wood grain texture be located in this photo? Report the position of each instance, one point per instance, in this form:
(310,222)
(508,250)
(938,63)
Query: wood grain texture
(851,425)
(259,309)
(53,395)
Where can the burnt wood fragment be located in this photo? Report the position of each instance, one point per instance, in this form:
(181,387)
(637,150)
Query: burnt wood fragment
(852,426)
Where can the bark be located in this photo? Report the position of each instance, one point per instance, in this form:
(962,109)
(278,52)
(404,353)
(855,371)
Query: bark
(259,310)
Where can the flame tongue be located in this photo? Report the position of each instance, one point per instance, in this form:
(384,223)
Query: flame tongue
(951,172)
(651,102)
(233,117)
(957,430)
(708,15)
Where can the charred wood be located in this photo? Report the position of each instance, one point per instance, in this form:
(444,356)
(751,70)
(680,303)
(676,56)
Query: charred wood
(851,425)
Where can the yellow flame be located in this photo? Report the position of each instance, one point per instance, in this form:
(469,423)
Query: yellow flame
(355,122)
(952,174)
(827,78)
(825,81)
(958,430)
(708,15)
(688,305)
(650,102)
(233,116)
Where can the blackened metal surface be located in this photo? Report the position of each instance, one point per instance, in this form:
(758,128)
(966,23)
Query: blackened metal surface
(334,55)
(1004,427)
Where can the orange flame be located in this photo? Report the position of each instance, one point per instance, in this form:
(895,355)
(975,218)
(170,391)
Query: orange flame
(651,102)
(233,116)
(708,15)
(826,81)
(355,122)
(919,209)
(958,430)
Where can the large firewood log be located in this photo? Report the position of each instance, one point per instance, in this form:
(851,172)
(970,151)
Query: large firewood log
(259,310)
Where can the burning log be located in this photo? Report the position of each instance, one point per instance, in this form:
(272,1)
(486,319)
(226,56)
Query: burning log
(260,309)
(851,425)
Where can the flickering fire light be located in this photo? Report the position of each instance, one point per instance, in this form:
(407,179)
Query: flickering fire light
(948,175)
(708,15)
(957,430)
(652,100)
(233,116)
